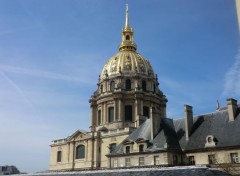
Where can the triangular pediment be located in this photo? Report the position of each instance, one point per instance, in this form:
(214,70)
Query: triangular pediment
(78,135)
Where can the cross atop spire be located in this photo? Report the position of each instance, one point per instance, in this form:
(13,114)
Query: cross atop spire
(127,19)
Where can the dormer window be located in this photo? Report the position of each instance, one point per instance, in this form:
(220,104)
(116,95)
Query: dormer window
(210,141)
(141,147)
(127,149)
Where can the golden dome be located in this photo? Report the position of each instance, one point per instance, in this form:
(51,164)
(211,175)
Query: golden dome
(127,63)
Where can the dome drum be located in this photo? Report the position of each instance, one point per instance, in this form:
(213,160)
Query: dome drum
(128,91)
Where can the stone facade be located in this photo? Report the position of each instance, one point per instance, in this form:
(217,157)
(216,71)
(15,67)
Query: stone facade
(129,127)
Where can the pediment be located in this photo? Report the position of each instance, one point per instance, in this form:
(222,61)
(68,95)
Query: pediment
(127,141)
(79,135)
(139,140)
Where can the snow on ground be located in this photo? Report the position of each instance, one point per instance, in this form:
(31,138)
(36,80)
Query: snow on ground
(161,171)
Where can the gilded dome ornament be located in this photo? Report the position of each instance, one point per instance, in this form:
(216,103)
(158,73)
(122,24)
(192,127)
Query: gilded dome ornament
(127,61)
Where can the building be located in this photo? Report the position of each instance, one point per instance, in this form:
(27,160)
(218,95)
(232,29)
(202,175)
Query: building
(8,170)
(129,127)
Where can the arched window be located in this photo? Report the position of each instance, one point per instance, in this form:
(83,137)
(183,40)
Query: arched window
(127,37)
(80,152)
(112,86)
(128,84)
(144,86)
(59,156)
(141,147)
(128,149)
(128,113)
(145,111)
(99,117)
(110,114)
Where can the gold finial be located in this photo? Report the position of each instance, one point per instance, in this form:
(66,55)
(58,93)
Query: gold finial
(127,20)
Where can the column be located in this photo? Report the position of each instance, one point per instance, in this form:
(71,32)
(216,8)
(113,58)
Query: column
(115,110)
(136,116)
(105,113)
(92,118)
(120,110)
(102,120)
(136,110)
(141,109)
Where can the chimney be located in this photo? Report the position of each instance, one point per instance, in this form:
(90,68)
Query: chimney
(188,120)
(152,123)
(232,108)
(155,121)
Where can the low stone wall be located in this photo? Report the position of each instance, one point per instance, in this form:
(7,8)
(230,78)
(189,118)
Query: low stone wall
(170,171)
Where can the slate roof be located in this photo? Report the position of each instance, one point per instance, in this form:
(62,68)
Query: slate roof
(217,124)
(142,132)
(171,135)
(166,139)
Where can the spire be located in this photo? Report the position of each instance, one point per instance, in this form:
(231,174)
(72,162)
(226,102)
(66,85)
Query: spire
(127,36)
(127,19)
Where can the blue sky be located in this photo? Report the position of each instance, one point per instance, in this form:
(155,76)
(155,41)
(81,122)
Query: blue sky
(52,51)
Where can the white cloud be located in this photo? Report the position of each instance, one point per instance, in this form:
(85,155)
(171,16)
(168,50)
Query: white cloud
(43,74)
(232,79)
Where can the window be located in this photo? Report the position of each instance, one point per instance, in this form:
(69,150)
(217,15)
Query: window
(156,160)
(127,162)
(128,84)
(115,163)
(144,86)
(154,88)
(175,160)
(145,111)
(141,147)
(101,88)
(128,149)
(112,146)
(128,113)
(191,160)
(99,117)
(234,157)
(211,159)
(141,161)
(209,139)
(59,156)
(80,152)
(110,114)
(112,86)
(127,37)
